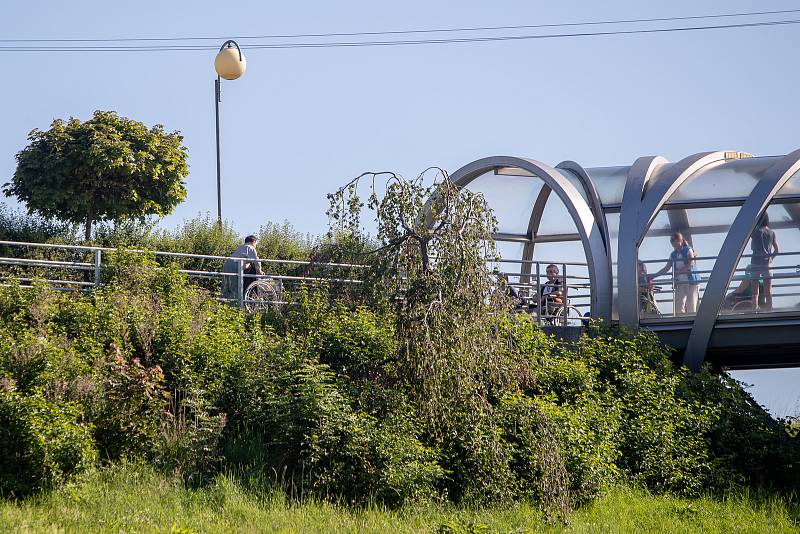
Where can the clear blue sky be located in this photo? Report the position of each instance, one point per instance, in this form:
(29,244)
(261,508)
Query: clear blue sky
(302,122)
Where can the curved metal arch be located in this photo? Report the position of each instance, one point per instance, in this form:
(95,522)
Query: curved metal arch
(230,43)
(579,210)
(651,203)
(591,193)
(732,248)
(533,230)
(666,185)
(627,278)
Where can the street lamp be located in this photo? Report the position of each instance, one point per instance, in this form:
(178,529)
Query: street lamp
(229,64)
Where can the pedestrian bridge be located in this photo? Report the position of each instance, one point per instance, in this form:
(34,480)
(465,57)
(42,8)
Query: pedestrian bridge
(591,234)
(604,226)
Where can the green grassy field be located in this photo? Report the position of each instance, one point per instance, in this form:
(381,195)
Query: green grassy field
(132,499)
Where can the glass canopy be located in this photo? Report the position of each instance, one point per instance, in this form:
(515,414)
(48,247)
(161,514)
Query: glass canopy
(608,225)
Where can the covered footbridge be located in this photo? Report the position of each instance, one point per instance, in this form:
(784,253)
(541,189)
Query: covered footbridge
(603,227)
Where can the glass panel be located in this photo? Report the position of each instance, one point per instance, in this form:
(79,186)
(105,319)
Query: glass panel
(612,221)
(509,253)
(725,179)
(791,188)
(577,276)
(609,182)
(704,229)
(556,219)
(763,285)
(511,198)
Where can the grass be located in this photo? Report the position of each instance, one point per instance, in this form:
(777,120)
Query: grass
(136,499)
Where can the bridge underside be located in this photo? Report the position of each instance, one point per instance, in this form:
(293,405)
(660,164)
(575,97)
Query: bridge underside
(742,344)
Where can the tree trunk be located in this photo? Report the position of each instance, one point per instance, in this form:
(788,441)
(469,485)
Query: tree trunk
(87,235)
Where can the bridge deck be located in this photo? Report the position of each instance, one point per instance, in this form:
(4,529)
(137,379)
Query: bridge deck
(742,342)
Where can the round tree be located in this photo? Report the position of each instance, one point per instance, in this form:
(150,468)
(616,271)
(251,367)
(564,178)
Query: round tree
(106,168)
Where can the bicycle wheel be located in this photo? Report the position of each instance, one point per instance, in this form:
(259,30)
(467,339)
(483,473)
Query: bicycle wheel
(742,306)
(262,295)
(569,316)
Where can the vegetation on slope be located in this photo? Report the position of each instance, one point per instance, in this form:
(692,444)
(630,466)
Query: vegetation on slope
(424,391)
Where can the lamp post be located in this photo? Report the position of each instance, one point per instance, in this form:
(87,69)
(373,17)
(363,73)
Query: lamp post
(229,64)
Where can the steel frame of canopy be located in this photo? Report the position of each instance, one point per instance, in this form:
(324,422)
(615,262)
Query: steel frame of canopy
(594,242)
(651,181)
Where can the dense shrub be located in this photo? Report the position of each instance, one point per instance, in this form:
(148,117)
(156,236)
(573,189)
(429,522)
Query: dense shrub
(321,401)
(41,443)
(747,447)
(128,408)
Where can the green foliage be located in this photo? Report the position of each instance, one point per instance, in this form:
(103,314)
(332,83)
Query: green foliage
(283,242)
(319,429)
(135,498)
(128,408)
(200,235)
(108,167)
(17,226)
(41,443)
(424,388)
(190,442)
(746,446)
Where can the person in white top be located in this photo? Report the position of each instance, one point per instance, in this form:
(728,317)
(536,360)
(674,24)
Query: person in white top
(231,266)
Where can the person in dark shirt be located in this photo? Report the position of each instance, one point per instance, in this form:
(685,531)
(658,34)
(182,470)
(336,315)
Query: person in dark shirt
(551,293)
(764,246)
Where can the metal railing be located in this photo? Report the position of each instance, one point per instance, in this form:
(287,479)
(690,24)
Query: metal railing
(80,269)
(785,284)
(530,282)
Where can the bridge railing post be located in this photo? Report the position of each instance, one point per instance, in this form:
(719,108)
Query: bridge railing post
(240,282)
(674,292)
(564,308)
(538,293)
(97,262)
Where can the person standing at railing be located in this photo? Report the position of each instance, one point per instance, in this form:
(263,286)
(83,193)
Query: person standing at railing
(764,245)
(682,263)
(247,251)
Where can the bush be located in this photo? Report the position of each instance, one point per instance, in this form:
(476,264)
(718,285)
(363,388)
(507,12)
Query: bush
(296,419)
(746,446)
(189,445)
(128,408)
(41,443)
(321,401)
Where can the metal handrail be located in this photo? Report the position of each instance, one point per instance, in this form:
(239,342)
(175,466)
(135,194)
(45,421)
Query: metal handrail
(789,274)
(88,248)
(577,291)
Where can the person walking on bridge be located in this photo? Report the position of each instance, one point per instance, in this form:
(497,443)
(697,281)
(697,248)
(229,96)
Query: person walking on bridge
(764,245)
(682,263)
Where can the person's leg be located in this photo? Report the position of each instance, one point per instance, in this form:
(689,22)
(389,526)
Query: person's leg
(768,289)
(754,288)
(692,296)
(680,299)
